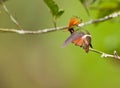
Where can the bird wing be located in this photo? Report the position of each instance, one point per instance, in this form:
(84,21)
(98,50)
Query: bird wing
(72,38)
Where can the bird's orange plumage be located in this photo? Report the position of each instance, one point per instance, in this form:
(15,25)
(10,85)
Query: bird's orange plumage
(74,21)
(78,42)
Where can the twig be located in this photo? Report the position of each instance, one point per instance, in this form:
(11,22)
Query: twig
(104,55)
(10,15)
(40,31)
(31,32)
(113,15)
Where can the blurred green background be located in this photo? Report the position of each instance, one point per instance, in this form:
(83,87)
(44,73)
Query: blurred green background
(38,61)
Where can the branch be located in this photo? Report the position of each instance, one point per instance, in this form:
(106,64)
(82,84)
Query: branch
(104,55)
(31,32)
(111,16)
(40,31)
(10,15)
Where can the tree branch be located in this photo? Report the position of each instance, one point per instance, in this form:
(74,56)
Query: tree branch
(111,16)
(10,15)
(30,31)
(104,55)
(40,31)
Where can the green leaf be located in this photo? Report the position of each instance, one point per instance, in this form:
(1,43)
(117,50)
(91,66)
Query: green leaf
(52,6)
(56,12)
(60,12)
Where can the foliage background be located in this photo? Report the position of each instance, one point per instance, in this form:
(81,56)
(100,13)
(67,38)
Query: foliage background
(38,61)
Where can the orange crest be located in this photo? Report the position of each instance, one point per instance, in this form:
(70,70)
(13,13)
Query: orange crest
(74,21)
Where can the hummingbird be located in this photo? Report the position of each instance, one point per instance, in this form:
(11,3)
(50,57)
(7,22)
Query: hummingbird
(82,38)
